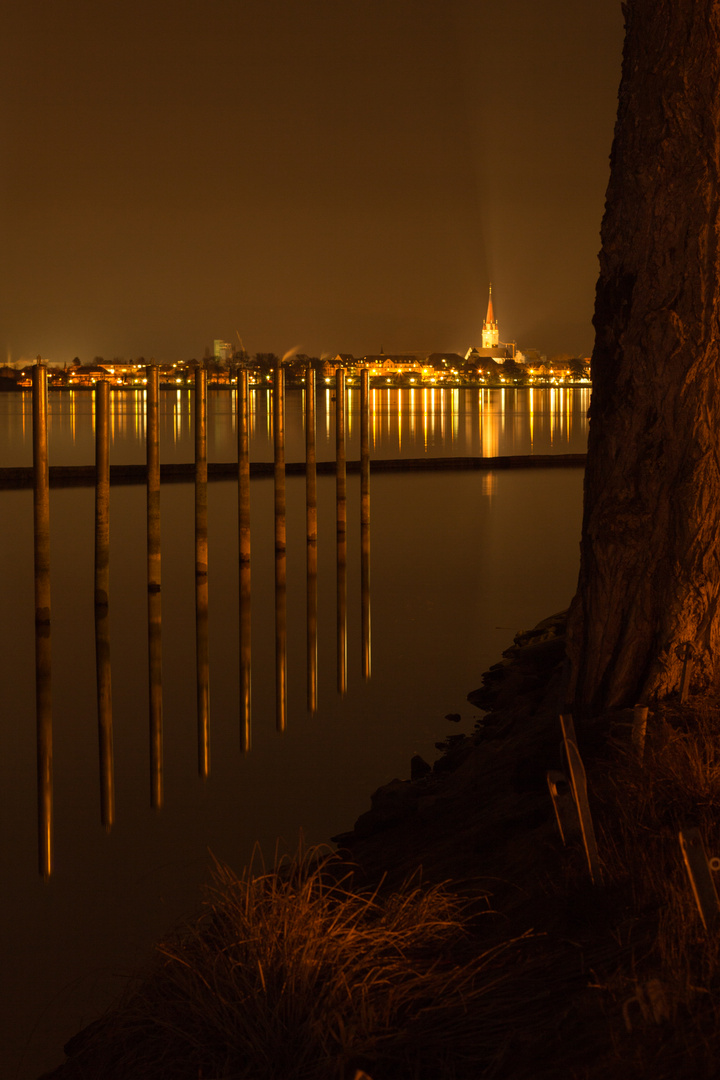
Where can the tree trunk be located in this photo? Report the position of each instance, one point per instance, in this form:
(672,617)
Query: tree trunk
(650,575)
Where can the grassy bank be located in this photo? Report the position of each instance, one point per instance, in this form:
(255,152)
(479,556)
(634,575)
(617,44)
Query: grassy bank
(300,973)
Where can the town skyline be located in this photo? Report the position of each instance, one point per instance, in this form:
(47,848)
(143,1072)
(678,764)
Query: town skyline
(488,344)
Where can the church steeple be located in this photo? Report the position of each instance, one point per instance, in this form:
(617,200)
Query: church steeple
(490,335)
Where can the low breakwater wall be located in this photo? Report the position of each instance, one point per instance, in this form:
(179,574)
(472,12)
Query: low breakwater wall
(84,475)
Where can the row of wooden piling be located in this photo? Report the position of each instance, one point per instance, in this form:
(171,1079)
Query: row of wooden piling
(41,507)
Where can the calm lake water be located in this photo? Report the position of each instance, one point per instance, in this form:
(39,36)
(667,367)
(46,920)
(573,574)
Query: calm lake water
(459,562)
(403,423)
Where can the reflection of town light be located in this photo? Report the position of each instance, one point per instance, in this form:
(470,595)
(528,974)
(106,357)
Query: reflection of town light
(532,414)
(399,394)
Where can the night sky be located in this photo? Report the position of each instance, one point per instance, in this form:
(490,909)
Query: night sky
(330,175)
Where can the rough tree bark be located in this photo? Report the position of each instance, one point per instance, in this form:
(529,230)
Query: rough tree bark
(650,553)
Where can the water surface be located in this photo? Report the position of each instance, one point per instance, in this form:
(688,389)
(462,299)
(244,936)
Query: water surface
(403,423)
(459,563)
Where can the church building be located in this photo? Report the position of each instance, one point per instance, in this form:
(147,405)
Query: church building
(492,348)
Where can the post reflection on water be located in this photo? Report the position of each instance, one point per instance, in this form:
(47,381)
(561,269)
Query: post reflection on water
(365,524)
(153,588)
(280,552)
(341,530)
(244,557)
(312,541)
(43,666)
(102,605)
(201,575)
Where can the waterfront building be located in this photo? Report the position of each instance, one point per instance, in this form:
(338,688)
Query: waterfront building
(394,364)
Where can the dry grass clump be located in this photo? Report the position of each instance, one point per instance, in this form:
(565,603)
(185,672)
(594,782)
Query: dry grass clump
(644,802)
(293,975)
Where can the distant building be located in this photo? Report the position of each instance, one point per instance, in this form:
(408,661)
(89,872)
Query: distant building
(329,367)
(395,364)
(491,348)
(222,350)
(450,360)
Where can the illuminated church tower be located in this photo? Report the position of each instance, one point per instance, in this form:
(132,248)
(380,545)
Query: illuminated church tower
(490,335)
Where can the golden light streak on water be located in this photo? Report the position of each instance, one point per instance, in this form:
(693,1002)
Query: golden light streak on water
(399,414)
(489,484)
(489,432)
(531,405)
(252,409)
(349,390)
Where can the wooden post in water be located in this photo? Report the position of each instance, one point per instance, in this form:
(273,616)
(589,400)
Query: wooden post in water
(102,603)
(341,530)
(154,594)
(280,552)
(312,538)
(43,684)
(241,408)
(365,519)
(201,575)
